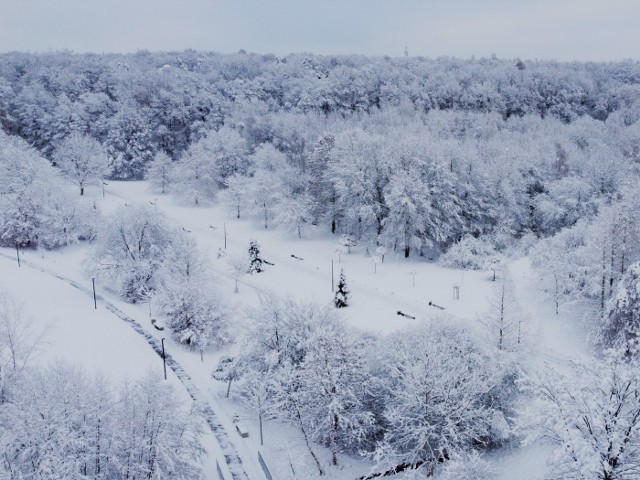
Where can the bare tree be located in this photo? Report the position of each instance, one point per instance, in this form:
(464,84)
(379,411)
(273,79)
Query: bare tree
(19,339)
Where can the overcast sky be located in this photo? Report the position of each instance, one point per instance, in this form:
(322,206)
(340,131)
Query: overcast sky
(543,29)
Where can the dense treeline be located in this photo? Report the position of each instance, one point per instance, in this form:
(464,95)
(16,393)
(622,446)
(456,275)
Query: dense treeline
(142,103)
(468,132)
(407,152)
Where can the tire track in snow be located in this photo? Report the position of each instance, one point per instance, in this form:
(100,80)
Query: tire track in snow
(231,456)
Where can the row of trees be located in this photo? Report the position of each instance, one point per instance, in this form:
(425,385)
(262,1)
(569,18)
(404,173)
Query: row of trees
(588,261)
(60,423)
(412,184)
(36,208)
(139,255)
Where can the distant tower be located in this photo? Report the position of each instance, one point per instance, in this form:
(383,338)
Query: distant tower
(406,51)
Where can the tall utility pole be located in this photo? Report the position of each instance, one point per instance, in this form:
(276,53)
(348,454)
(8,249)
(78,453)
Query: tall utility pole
(164,360)
(406,51)
(332,282)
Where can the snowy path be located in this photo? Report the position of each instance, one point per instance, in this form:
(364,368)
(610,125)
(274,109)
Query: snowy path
(559,338)
(555,341)
(231,457)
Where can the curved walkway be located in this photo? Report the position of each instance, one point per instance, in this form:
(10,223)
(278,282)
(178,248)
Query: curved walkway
(231,456)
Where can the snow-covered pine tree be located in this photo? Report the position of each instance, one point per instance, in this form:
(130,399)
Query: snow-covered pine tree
(255,261)
(341,299)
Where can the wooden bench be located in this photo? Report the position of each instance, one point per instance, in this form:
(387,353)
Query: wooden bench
(242,430)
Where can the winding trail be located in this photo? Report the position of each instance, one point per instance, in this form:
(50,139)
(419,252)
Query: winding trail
(231,456)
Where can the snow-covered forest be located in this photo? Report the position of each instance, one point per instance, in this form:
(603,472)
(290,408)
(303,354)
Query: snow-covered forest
(509,184)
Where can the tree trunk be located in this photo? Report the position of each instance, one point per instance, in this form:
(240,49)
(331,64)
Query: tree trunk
(406,252)
(604,281)
(81,191)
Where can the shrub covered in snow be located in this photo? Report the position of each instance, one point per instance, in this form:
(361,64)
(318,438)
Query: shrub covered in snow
(470,466)
(471,253)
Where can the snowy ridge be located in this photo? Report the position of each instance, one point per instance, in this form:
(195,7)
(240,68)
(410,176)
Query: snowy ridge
(231,457)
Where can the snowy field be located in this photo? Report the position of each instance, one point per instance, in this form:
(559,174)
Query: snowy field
(99,340)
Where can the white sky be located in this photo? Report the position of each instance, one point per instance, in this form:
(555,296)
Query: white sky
(543,29)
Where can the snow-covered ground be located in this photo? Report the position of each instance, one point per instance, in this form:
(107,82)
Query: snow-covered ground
(100,340)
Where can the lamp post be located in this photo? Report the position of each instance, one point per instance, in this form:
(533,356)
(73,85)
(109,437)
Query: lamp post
(164,360)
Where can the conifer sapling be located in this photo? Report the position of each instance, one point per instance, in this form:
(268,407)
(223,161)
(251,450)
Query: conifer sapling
(342,294)
(255,265)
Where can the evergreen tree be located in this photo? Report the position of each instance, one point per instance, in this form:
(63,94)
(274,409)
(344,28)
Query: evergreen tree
(255,265)
(342,295)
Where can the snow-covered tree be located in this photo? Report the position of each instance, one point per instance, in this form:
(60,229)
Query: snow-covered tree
(194,313)
(227,371)
(292,214)
(341,298)
(591,417)
(238,265)
(35,209)
(336,381)
(303,368)
(358,169)
(434,385)
(408,203)
(620,328)
(347,242)
(227,151)
(128,144)
(160,172)
(504,322)
(59,423)
(255,261)
(82,159)
(236,194)
(19,341)
(195,176)
(469,253)
(130,250)
(321,191)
